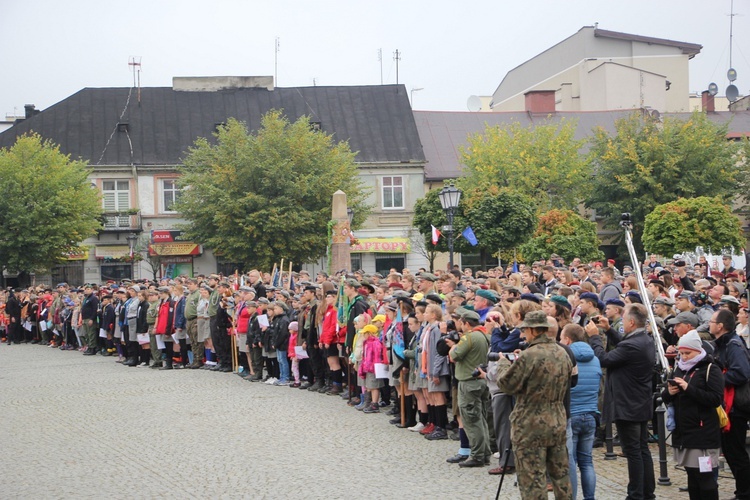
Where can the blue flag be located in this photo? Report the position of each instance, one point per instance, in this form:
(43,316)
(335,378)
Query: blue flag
(469,235)
(515,266)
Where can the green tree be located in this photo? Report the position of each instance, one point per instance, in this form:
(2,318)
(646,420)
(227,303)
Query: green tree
(542,161)
(47,207)
(429,212)
(682,225)
(257,198)
(565,233)
(501,218)
(647,163)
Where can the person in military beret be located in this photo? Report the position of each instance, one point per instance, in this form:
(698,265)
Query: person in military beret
(473,393)
(538,420)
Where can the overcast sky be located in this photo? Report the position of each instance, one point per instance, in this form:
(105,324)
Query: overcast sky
(452,49)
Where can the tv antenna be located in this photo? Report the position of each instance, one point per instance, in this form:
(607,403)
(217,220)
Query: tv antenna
(397,58)
(135,62)
(276,48)
(732,92)
(380,60)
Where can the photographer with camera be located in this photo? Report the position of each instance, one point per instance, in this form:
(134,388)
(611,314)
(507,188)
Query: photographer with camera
(473,394)
(538,378)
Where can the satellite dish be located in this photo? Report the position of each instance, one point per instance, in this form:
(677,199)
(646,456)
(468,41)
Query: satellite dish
(474,103)
(713,89)
(731,74)
(732,93)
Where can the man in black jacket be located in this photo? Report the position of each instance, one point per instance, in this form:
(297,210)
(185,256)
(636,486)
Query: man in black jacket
(628,395)
(731,354)
(13,309)
(89,311)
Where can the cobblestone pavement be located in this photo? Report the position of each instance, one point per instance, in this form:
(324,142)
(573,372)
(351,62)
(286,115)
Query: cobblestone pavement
(86,427)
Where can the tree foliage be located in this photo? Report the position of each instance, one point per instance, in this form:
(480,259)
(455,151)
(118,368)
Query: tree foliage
(682,225)
(429,212)
(542,161)
(257,198)
(565,233)
(47,208)
(501,218)
(647,163)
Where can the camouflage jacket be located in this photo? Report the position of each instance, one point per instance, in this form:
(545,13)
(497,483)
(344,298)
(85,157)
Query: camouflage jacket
(538,379)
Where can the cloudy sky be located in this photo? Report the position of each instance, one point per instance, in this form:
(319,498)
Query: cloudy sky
(451,49)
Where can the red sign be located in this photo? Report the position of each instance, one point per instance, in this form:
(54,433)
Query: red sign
(167,236)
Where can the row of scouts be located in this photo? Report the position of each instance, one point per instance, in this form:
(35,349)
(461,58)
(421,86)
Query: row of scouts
(421,341)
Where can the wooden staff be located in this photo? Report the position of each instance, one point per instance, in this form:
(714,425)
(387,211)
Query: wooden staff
(234,350)
(289,283)
(281,273)
(272,273)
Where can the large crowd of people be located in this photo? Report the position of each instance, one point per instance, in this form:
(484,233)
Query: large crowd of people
(523,366)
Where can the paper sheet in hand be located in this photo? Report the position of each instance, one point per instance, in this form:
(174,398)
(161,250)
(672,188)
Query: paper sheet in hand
(381,370)
(27,326)
(103,333)
(263,320)
(160,342)
(300,352)
(43,326)
(143,338)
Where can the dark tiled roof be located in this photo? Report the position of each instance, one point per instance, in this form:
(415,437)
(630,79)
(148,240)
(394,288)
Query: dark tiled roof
(444,132)
(376,120)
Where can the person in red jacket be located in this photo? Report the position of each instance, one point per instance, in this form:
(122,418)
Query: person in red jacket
(242,320)
(164,326)
(332,337)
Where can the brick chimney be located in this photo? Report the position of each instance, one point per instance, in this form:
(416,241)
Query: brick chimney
(540,101)
(707,102)
(30,110)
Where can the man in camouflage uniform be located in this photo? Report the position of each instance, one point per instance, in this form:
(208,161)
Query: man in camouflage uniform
(538,379)
(191,317)
(473,393)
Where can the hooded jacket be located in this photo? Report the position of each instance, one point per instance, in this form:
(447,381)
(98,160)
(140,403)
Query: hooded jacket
(584,396)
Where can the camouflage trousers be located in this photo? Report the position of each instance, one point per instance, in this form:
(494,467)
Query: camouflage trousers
(532,465)
(197,347)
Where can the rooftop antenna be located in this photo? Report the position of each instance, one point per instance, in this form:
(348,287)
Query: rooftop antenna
(135,62)
(732,92)
(276,47)
(397,58)
(380,59)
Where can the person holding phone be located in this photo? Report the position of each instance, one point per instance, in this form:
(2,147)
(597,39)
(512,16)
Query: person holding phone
(695,390)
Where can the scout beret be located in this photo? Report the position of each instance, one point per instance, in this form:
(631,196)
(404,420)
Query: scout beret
(590,296)
(614,302)
(427,276)
(352,283)
(488,295)
(469,315)
(559,299)
(531,297)
(434,297)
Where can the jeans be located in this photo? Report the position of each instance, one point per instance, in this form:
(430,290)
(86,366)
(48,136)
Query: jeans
(581,430)
(283,366)
(634,441)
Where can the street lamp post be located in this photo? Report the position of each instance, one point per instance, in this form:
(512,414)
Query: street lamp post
(132,239)
(449,197)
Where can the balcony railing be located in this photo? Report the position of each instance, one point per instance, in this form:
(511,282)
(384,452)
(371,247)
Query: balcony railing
(121,222)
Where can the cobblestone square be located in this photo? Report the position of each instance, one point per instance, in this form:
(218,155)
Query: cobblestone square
(86,427)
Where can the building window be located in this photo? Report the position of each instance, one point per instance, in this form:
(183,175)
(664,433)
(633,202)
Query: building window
(170,194)
(356,262)
(384,262)
(116,200)
(393,192)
